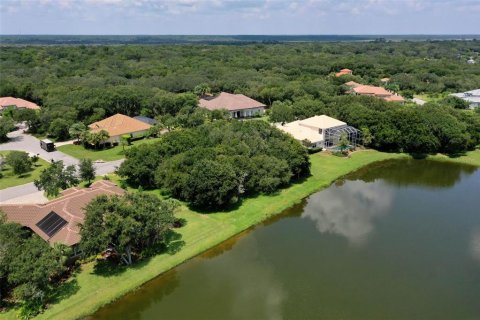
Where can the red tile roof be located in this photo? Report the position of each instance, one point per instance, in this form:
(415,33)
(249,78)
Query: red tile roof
(343,72)
(69,207)
(119,124)
(229,101)
(365,90)
(371,90)
(19,103)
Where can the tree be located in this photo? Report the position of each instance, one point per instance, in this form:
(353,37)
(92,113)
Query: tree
(59,128)
(211,184)
(95,138)
(126,225)
(367,136)
(86,170)
(6,125)
(125,140)
(56,177)
(27,266)
(19,161)
(76,130)
(201,89)
(343,142)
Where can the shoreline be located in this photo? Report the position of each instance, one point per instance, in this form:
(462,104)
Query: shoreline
(205,231)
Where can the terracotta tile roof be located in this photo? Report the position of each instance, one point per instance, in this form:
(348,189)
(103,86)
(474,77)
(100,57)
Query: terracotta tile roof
(365,90)
(229,101)
(69,207)
(19,103)
(371,90)
(119,124)
(395,98)
(343,72)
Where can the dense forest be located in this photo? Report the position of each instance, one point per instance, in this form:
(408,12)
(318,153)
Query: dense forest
(215,164)
(87,83)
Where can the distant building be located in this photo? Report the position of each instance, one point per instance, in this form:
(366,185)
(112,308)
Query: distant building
(419,101)
(119,125)
(472,97)
(320,131)
(379,92)
(18,103)
(343,72)
(58,221)
(385,80)
(238,105)
(471,61)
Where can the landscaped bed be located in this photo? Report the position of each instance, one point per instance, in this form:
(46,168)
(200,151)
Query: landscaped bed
(9,179)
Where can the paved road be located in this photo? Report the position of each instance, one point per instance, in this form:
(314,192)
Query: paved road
(28,143)
(25,142)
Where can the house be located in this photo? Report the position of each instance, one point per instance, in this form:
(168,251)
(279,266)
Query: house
(119,125)
(471,61)
(18,103)
(385,80)
(59,219)
(472,97)
(343,72)
(238,105)
(379,92)
(320,131)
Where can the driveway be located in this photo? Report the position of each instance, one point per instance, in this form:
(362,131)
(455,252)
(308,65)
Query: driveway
(28,193)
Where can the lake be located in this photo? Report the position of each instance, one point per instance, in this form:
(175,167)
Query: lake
(395,240)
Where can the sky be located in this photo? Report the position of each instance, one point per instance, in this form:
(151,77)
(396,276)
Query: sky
(206,17)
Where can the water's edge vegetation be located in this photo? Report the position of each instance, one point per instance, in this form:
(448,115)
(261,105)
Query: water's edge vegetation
(93,288)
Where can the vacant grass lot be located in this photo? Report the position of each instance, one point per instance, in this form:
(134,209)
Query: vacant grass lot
(11,180)
(107,154)
(88,290)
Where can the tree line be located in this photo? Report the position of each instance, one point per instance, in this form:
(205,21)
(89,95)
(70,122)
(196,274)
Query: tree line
(87,83)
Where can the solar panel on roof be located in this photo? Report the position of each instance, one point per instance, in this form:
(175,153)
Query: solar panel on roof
(51,223)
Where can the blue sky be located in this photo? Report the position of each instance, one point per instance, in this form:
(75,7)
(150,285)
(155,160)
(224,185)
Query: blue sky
(239,17)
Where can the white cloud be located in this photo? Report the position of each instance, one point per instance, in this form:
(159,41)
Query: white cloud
(349,210)
(475,244)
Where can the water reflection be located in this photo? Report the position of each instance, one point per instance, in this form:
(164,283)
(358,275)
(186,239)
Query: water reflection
(422,173)
(145,297)
(254,284)
(350,209)
(475,244)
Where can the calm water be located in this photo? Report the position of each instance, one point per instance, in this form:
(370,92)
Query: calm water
(397,240)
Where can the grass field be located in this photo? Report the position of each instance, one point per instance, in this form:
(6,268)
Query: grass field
(108,154)
(11,180)
(89,290)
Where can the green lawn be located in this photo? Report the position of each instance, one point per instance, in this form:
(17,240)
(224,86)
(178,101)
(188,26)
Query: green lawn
(10,180)
(470,157)
(88,291)
(108,154)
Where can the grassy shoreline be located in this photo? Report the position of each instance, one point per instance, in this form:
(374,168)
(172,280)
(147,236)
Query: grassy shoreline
(88,291)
